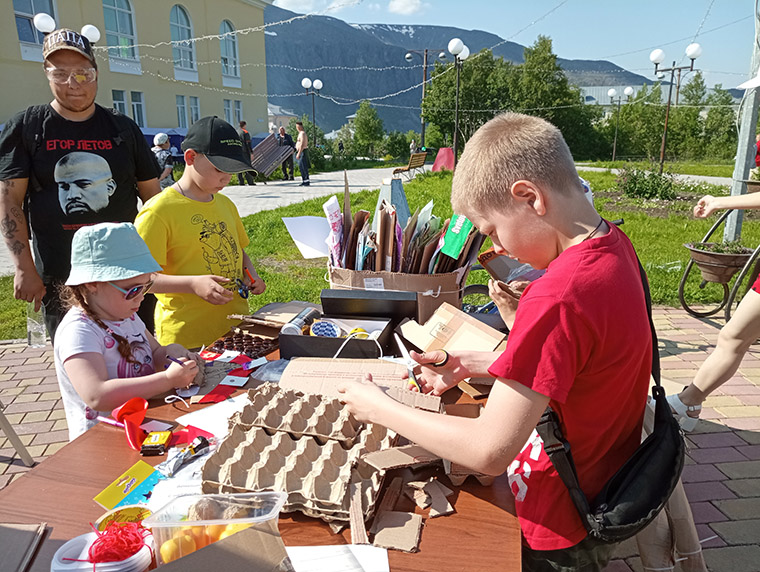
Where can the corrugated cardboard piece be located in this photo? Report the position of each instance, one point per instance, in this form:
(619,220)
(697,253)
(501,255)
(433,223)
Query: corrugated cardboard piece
(397,530)
(17,545)
(451,329)
(322,376)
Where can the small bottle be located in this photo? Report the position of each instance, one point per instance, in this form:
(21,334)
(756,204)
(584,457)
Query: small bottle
(304,318)
(35,327)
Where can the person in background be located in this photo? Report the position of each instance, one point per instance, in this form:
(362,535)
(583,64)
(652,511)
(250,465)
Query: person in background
(412,147)
(104,355)
(734,339)
(164,158)
(245,178)
(516,181)
(302,154)
(288,170)
(196,235)
(107,149)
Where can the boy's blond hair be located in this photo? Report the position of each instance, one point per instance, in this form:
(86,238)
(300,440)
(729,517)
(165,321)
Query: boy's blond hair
(509,148)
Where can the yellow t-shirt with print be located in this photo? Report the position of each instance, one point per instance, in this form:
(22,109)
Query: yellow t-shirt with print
(190,238)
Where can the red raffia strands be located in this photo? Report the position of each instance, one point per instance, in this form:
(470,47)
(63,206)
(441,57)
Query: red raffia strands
(117,542)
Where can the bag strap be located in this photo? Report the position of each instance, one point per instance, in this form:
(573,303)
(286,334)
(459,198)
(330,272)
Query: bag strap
(557,447)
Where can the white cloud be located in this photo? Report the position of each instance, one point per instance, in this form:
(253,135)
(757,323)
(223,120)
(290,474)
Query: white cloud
(374,7)
(405,7)
(315,6)
(300,6)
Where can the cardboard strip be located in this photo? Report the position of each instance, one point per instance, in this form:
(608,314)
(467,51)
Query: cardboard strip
(395,457)
(392,492)
(356,516)
(439,506)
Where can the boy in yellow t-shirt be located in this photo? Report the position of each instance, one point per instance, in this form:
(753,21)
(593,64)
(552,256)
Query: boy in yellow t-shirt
(196,235)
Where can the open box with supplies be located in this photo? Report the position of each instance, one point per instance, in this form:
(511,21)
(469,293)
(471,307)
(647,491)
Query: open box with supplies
(354,324)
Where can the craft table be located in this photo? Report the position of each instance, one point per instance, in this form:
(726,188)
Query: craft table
(483,534)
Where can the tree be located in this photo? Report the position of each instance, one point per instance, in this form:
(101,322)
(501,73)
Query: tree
(685,127)
(641,123)
(720,124)
(308,126)
(368,130)
(396,145)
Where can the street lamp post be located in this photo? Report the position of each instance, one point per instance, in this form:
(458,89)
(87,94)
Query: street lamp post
(312,87)
(693,51)
(409,57)
(460,53)
(612,92)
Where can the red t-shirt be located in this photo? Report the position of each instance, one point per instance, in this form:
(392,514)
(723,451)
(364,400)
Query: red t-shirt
(581,337)
(757,154)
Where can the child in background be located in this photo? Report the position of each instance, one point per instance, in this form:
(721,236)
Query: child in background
(197,236)
(581,343)
(104,355)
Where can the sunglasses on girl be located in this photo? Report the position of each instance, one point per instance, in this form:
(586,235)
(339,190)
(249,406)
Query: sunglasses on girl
(134,291)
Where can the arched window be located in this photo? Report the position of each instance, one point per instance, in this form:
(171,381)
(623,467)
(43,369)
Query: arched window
(229,48)
(181,31)
(120,29)
(24,11)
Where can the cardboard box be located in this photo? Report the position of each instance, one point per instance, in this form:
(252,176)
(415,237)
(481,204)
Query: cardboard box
(369,310)
(432,289)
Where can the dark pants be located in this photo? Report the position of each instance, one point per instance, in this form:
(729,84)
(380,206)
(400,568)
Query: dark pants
(589,555)
(147,312)
(303,165)
(246,178)
(52,309)
(288,170)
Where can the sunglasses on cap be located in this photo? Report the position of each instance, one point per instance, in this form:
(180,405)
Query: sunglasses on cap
(134,291)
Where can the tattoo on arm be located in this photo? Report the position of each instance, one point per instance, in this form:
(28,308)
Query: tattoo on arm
(8,227)
(16,247)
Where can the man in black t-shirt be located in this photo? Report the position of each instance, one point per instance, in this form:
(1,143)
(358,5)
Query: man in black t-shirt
(245,178)
(71,163)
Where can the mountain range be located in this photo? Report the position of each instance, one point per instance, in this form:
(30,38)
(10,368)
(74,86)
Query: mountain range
(367,60)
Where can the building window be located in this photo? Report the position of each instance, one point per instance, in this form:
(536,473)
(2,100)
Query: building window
(195,109)
(25,11)
(181,31)
(120,29)
(181,111)
(138,108)
(238,112)
(119,100)
(229,49)
(228,111)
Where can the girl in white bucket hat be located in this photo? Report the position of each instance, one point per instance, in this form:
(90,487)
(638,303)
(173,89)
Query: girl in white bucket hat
(104,355)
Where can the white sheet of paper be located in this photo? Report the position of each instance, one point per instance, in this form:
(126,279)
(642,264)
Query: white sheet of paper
(234,381)
(341,558)
(214,417)
(309,233)
(154,425)
(228,356)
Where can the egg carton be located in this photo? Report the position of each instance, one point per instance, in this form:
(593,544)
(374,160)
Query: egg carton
(316,477)
(276,409)
(247,344)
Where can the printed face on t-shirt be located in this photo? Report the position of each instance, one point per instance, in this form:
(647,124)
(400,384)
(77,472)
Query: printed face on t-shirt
(85,183)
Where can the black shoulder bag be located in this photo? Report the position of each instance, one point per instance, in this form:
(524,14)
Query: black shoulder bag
(638,491)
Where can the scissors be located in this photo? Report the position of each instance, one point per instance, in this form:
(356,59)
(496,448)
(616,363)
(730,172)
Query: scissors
(410,363)
(242,288)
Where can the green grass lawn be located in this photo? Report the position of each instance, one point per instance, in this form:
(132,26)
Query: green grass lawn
(684,168)
(657,229)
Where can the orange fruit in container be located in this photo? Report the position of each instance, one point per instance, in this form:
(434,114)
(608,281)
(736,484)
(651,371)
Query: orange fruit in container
(214,531)
(181,545)
(231,529)
(198,533)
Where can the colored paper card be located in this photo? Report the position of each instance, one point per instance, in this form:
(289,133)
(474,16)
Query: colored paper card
(208,355)
(228,356)
(155,425)
(188,435)
(456,236)
(132,487)
(219,393)
(234,381)
(241,359)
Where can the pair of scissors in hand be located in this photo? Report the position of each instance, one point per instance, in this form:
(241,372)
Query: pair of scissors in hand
(410,363)
(242,288)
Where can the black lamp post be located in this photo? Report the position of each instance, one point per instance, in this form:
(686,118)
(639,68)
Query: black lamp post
(312,88)
(612,92)
(693,51)
(460,53)
(424,54)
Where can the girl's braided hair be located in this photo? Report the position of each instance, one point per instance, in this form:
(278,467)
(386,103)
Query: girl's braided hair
(75,296)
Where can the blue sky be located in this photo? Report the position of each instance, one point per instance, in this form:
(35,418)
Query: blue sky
(621,31)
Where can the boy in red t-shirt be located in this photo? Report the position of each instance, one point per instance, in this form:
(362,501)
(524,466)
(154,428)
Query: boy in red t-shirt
(580,342)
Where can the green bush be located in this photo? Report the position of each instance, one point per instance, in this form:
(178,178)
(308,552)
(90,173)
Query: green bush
(645,184)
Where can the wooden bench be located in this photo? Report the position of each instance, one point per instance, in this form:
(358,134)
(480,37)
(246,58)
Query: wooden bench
(268,155)
(416,164)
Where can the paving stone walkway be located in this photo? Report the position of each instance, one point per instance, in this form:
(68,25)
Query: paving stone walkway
(721,477)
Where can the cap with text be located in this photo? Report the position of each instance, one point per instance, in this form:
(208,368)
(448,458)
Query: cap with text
(219,142)
(65,39)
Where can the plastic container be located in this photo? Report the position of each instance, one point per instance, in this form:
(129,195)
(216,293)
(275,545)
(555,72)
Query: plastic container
(72,556)
(190,522)
(304,318)
(35,327)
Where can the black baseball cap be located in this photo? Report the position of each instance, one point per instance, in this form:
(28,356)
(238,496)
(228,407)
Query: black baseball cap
(219,142)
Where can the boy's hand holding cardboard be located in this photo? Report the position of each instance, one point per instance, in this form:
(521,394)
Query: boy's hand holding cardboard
(365,400)
(439,371)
